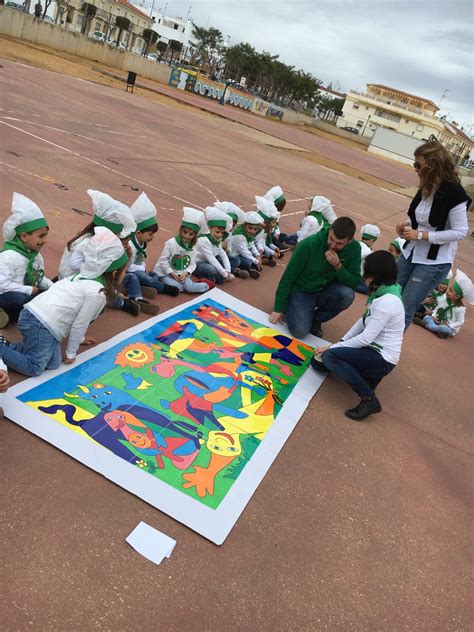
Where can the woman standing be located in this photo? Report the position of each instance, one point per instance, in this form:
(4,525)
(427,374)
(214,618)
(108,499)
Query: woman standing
(371,348)
(438,220)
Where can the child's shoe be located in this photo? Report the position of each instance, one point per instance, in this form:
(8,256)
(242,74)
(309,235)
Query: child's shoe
(130,306)
(210,284)
(170,290)
(442,334)
(148,308)
(230,277)
(241,274)
(148,292)
(4,319)
(419,321)
(269,261)
(254,274)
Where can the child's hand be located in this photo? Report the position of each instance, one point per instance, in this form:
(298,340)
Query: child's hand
(35,290)
(4,381)
(277,253)
(89,341)
(69,360)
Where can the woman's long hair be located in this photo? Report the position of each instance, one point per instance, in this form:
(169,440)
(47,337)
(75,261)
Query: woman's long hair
(438,166)
(113,281)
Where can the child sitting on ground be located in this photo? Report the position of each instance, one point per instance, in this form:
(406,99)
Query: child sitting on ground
(320,214)
(144,214)
(448,313)
(369,233)
(178,259)
(212,261)
(265,239)
(275,195)
(67,309)
(395,247)
(21,266)
(244,257)
(430,301)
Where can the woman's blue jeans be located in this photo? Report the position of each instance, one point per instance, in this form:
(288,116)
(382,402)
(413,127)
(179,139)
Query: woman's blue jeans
(329,302)
(417,281)
(354,366)
(39,350)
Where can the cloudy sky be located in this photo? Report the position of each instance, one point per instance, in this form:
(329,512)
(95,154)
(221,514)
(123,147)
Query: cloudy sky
(420,46)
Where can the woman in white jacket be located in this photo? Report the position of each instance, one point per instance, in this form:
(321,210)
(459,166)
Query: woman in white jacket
(67,309)
(371,348)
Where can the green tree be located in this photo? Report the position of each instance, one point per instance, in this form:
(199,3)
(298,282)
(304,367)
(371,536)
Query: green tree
(150,37)
(208,44)
(161,47)
(175,47)
(123,24)
(89,11)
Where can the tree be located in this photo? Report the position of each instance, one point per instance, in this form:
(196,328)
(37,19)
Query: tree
(161,47)
(89,11)
(150,37)
(123,24)
(175,47)
(47,4)
(208,44)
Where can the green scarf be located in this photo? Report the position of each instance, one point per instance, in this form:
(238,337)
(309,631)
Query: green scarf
(445,314)
(239,230)
(32,276)
(181,243)
(140,248)
(214,242)
(319,217)
(394,289)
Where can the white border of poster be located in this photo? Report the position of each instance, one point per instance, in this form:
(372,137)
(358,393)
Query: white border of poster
(214,524)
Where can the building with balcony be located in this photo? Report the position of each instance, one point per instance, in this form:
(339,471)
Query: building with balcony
(408,114)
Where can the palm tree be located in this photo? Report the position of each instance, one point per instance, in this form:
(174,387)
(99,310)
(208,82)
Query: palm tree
(89,11)
(123,24)
(150,37)
(175,47)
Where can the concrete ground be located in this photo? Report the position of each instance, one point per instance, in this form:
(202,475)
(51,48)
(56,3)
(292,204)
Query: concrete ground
(355,526)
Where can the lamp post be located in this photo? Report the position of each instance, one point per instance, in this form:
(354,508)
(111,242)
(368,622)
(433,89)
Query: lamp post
(228,83)
(366,123)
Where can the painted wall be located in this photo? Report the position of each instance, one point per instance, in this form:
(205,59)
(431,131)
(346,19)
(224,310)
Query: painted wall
(23,26)
(399,147)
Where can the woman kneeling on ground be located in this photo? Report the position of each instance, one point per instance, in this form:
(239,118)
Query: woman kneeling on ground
(371,348)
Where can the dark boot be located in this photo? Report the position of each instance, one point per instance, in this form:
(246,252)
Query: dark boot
(170,290)
(130,306)
(319,366)
(316,329)
(367,406)
(254,274)
(147,307)
(148,292)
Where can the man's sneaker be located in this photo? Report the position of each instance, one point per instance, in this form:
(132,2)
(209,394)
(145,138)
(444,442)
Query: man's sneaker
(148,292)
(419,321)
(241,274)
(316,329)
(130,306)
(148,308)
(254,274)
(4,319)
(268,261)
(366,407)
(170,290)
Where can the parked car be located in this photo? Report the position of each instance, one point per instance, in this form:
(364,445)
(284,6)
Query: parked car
(49,19)
(189,68)
(14,5)
(98,36)
(152,56)
(352,130)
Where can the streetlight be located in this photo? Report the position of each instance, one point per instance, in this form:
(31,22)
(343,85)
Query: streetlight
(365,125)
(228,83)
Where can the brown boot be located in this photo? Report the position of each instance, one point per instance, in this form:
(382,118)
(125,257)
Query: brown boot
(148,292)
(241,274)
(148,308)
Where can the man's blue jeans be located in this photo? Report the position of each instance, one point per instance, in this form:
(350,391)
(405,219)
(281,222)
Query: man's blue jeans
(12,303)
(417,281)
(149,279)
(353,366)
(329,302)
(39,350)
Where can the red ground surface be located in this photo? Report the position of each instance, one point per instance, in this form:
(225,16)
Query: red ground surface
(359,527)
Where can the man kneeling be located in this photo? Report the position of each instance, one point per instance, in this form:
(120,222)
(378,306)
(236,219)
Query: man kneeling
(320,279)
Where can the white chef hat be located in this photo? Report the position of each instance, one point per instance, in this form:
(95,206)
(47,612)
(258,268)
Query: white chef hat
(25,217)
(275,194)
(321,204)
(252,217)
(143,212)
(192,218)
(398,244)
(266,208)
(215,217)
(231,209)
(112,214)
(103,252)
(370,231)
(463,287)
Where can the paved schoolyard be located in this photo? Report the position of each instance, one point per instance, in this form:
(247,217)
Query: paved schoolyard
(354,527)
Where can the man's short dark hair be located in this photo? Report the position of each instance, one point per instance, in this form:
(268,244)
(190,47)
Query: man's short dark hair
(381,267)
(343,228)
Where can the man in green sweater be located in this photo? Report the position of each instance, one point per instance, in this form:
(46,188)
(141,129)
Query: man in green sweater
(320,279)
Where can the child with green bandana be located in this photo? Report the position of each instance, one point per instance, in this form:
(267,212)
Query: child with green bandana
(448,313)
(265,238)
(212,261)
(178,259)
(395,247)
(21,265)
(320,214)
(244,257)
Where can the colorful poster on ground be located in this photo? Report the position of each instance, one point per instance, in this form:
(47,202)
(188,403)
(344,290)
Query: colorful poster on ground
(187,410)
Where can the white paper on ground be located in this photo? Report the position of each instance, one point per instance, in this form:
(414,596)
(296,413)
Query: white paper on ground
(151,543)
